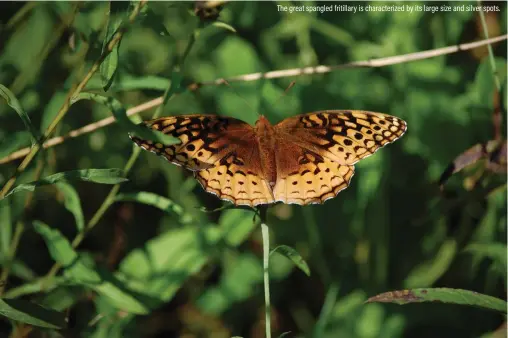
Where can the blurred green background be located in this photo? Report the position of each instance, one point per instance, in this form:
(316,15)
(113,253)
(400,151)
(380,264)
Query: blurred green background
(200,273)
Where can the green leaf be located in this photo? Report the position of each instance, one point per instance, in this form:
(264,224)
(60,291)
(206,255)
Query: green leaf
(36,286)
(120,115)
(32,314)
(157,201)
(428,272)
(239,280)
(160,268)
(81,272)
(72,203)
(494,251)
(14,142)
(101,176)
(128,83)
(13,102)
(294,256)
(62,297)
(109,66)
(442,295)
(62,252)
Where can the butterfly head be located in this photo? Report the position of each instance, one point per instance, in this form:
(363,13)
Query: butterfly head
(263,122)
(263,126)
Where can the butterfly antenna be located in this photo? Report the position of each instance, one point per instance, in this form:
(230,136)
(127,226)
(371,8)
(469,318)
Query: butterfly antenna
(240,96)
(291,85)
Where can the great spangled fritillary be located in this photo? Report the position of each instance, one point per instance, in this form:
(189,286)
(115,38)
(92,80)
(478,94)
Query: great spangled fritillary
(303,159)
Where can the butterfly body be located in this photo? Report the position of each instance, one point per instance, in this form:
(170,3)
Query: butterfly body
(266,141)
(304,159)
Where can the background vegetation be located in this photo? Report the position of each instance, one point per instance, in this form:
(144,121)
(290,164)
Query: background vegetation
(158,264)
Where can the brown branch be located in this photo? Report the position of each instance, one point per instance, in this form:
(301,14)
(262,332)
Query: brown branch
(387,61)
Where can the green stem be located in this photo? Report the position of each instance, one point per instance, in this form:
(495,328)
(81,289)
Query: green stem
(65,107)
(489,47)
(266,277)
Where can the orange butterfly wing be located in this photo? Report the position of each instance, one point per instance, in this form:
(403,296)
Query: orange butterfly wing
(222,151)
(316,152)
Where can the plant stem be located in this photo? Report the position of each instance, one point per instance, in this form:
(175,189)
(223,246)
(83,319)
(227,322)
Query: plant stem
(65,107)
(489,48)
(266,276)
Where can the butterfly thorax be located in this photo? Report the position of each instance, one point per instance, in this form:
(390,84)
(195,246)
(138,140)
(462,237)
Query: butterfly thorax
(265,135)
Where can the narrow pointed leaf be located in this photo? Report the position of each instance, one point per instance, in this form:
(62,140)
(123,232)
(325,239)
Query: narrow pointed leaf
(442,295)
(294,256)
(30,313)
(13,102)
(109,66)
(72,203)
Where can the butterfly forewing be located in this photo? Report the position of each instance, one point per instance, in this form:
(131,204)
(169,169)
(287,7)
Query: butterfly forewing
(205,139)
(343,136)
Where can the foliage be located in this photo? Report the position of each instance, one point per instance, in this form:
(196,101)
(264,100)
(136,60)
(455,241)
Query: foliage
(142,258)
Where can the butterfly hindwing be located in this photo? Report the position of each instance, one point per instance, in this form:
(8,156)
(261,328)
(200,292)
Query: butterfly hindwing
(238,180)
(305,177)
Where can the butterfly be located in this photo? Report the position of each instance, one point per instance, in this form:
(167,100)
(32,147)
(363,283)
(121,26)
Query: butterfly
(304,159)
